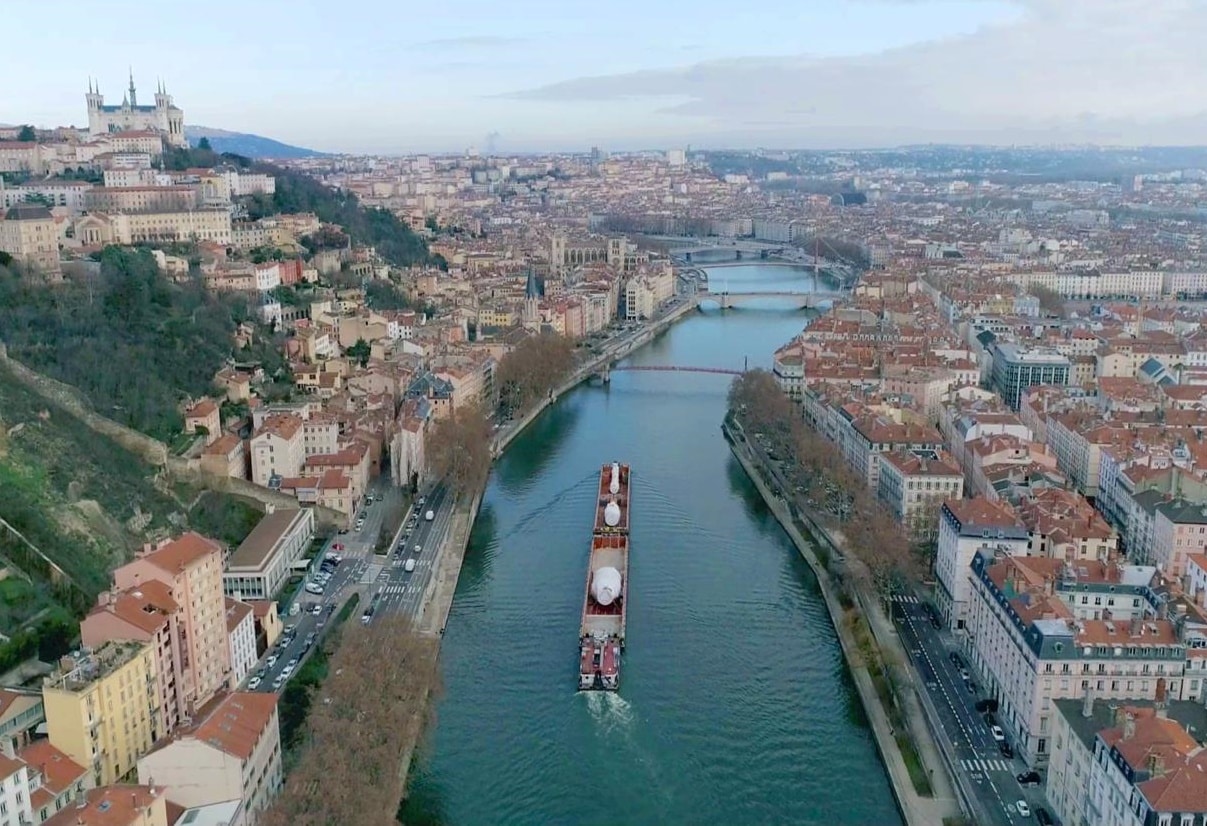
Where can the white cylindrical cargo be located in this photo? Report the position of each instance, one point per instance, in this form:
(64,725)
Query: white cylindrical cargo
(605,586)
(615,486)
(612,514)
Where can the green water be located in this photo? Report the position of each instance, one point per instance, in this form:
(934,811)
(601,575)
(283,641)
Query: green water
(735,706)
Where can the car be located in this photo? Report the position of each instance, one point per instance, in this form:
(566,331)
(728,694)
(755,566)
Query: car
(1023,809)
(1030,778)
(314,588)
(1042,817)
(253,683)
(288,672)
(964,675)
(271,661)
(316,609)
(1006,750)
(310,638)
(997,733)
(336,558)
(955,660)
(418,550)
(279,681)
(420,500)
(293,663)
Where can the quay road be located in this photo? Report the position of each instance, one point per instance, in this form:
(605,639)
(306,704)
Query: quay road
(988,777)
(364,572)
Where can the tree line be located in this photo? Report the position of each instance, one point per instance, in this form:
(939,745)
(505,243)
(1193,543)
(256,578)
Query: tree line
(535,367)
(823,483)
(373,710)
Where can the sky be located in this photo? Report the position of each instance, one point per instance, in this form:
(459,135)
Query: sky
(367,76)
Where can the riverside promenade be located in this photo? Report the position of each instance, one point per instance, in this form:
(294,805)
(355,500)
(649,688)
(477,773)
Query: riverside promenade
(918,810)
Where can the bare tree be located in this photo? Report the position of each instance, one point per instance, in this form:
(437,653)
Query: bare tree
(536,366)
(458,449)
(1050,301)
(368,714)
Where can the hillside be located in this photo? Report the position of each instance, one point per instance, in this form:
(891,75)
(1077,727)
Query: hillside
(136,344)
(248,145)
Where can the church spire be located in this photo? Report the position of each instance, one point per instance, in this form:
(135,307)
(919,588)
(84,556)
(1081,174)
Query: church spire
(133,94)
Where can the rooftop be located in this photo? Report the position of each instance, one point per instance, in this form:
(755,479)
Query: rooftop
(78,673)
(259,545)
(119,805)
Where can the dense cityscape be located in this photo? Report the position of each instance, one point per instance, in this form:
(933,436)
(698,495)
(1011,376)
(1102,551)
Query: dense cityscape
(252,408)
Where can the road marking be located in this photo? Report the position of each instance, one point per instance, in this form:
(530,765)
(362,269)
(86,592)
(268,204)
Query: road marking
(985,765)
(908,598)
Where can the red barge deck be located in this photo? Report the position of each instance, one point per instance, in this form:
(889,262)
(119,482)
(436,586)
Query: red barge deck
(601,636)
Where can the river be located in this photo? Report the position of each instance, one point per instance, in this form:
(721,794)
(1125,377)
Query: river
(735,704)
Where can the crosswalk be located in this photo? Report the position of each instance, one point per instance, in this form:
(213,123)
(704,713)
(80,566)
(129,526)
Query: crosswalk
(986,765)
(909,598)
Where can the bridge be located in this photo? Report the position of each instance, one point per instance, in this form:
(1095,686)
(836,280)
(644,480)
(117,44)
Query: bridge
(740,249)
(810,300)
(606,373)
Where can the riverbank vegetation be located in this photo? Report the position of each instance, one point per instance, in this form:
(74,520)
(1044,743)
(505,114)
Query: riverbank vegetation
(821,483)
(531,371)
(372,712)
(458,450)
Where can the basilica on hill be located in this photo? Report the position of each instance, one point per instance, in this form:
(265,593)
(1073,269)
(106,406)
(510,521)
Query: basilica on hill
(163,117)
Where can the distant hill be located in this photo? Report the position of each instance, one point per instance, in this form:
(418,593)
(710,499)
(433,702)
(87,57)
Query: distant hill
(247,145)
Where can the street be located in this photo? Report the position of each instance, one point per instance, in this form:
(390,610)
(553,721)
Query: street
(966,738)
(360,571)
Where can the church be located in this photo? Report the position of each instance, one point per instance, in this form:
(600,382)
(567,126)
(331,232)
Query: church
(163,117)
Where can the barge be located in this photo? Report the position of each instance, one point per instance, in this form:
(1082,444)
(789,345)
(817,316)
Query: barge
(601,635)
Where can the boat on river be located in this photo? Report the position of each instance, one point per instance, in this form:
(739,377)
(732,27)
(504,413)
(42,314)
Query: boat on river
(601,635)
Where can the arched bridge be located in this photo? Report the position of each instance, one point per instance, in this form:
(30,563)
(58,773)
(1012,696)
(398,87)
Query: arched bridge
(808,300)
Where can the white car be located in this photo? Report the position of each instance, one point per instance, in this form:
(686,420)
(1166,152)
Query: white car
(1023,809)
(253,683)
(998,734)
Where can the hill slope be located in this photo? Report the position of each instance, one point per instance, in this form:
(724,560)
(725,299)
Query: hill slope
(248,145)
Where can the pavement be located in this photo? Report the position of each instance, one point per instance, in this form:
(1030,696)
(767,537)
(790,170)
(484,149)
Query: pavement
(963,732)
(380,580)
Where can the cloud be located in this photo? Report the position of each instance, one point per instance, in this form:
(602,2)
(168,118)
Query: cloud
(1104,70)
(483,41)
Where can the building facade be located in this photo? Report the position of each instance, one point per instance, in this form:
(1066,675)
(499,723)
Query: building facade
(163,117)
(261,563)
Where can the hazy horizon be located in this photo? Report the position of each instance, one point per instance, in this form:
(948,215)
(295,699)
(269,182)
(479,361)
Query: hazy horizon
(539,76)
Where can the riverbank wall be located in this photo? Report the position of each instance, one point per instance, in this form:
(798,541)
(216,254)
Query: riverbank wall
(916,809)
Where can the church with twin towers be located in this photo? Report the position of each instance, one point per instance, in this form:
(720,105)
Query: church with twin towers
(163,117)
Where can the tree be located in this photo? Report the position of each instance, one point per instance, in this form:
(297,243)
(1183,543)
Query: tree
(1050,301)
(360,351)
(535,367)
(458,450)
(204,145)
(27,134)
(386,295)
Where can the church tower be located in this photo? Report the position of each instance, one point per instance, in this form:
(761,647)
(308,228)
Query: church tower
(133,95)
(95,101)
(532,300)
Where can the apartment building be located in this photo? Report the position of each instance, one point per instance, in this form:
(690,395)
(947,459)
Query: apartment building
(865,438)
(353,462)
(101,708)
(1042,630)
(191,567)
(205,417)
(261,563)
(146,613)
(55,780)
(127,228)
(1164,530)
(320,435)
(28,233)
(966,527)
(141,199)
(277,449)
(15,806)
(1128,763)
(233,753)
(119,805)
(226,456)
(915,484)
(241,631)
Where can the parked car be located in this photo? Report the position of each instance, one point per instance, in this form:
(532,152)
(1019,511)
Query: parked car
(316,609)
(955,660)
(253,683)
(971,686)
(314,588)
(986,705)
(1023,809)
(418,550)
(1042,817)
(997,733)
(293,663)
(271,661)
(279,681)
(1006,749)
(1030,778)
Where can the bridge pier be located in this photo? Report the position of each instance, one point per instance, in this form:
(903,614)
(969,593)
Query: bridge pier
(606,375)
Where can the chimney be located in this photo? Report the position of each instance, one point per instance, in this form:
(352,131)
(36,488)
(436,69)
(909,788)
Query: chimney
(1129,726)
(1156,765)
(1087,703)
(1118,715)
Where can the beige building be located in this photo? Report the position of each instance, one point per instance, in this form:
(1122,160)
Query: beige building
(101,708)
(148,614)
(225,457)
(277,449)
(191,567)
(101,228)
(121,805)
(914,485)
(204,415)
(28,233)
(261,563)
(141,199)
(241,631)
(234,753)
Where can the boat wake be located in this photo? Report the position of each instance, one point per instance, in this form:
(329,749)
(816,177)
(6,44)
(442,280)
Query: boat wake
(610,712)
